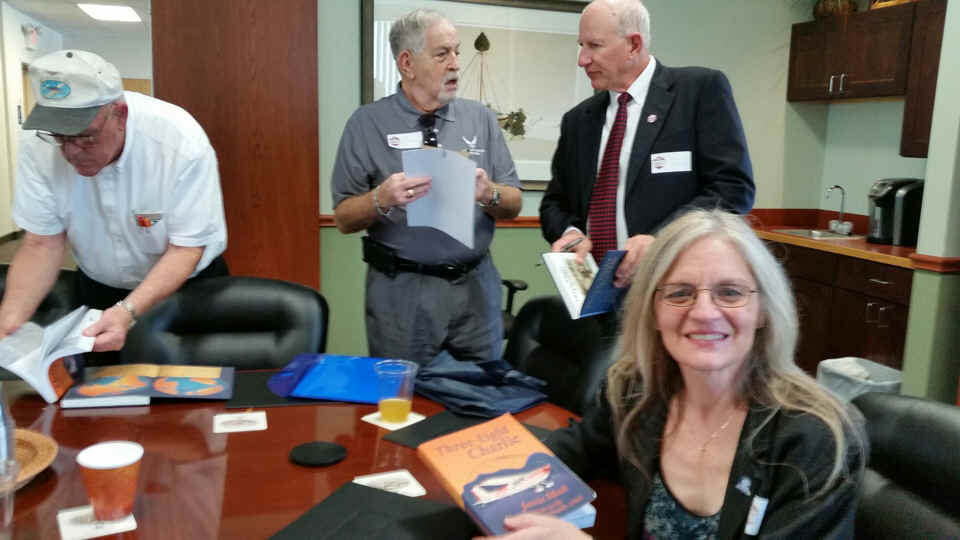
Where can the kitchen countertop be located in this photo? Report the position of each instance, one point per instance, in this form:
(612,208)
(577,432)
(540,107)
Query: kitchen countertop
(859,247)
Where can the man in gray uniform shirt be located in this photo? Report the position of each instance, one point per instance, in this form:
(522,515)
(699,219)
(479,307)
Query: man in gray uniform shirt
(426,292)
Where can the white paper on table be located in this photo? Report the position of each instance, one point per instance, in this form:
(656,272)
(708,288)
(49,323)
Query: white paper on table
(449,206)
(79,524)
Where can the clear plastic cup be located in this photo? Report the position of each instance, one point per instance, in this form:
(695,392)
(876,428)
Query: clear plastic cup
(395,379)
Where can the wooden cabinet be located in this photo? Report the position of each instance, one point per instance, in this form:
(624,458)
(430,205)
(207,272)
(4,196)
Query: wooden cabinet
(922,77)
(847,306)
(859,55)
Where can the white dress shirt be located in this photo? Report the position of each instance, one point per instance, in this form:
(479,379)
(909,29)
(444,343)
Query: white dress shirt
(638,91)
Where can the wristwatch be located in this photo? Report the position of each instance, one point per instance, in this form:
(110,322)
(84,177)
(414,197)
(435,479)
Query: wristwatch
(494,200)
(131,309)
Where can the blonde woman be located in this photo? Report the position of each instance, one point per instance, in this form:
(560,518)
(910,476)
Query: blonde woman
(704,418)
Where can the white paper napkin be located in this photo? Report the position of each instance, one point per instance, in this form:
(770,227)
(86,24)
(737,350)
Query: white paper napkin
(375,419)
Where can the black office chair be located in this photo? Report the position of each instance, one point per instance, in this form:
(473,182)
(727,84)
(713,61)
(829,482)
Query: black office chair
(912,484)
(571,355)
(58,302)
(246,322)
(512,285)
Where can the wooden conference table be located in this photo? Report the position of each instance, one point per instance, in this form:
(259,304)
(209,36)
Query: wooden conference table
(197,484)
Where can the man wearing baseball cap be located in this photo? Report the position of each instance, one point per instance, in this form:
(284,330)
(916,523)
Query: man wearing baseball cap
(130,181)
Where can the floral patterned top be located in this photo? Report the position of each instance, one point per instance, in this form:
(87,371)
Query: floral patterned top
(665,518)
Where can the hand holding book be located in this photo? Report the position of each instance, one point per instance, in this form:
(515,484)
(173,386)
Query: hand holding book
(533,525)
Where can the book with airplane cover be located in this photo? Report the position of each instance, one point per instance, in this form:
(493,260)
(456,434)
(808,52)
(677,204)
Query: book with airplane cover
(44,357)
(586,289)
(135,384)
(498,469)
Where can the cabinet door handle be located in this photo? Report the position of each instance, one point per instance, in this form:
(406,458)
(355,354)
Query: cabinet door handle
(842,77)
(866,314)
(882,320)
(830,86)
(876,281)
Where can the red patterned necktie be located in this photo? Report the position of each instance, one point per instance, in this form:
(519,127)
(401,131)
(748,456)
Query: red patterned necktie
(602,214)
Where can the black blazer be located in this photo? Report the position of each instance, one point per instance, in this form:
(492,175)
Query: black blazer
(692,110)
(789,458)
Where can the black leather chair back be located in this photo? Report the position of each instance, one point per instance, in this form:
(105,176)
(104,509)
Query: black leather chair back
(58,302)
(571,355)
(246,322)
(912,485)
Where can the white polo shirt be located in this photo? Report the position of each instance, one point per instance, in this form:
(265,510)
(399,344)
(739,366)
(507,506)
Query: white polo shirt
(164,188)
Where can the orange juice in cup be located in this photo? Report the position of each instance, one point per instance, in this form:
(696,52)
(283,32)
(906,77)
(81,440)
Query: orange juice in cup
(395,380)
(394,409)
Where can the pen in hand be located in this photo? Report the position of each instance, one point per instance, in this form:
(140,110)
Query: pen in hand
(573,243)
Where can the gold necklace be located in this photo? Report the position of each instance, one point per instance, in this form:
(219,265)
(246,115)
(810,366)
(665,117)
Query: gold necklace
(715,434)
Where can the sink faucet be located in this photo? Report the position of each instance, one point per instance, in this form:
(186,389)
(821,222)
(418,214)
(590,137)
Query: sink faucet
(839,225)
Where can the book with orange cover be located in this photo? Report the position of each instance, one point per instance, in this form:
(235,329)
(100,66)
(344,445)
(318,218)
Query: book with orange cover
(44,356)
(498,469)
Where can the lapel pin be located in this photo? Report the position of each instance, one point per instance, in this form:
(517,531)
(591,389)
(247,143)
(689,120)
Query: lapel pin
(651,119)
(744,486)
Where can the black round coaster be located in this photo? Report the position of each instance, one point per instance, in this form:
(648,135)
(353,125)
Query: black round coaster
(317,453)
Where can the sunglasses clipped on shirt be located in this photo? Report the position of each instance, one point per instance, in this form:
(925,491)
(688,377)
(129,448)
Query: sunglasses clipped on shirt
(427,123)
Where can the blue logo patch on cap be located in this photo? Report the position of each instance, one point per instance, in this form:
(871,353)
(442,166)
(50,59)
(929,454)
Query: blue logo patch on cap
(51,89)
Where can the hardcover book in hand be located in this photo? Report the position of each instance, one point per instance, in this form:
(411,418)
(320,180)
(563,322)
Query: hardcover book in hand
(41,355)
(586,289)
(498,469)
(135,384)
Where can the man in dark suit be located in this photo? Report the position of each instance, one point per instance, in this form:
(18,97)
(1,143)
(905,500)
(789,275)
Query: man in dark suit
(655,142)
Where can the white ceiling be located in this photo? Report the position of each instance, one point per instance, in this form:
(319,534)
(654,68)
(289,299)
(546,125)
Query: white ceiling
(65,17)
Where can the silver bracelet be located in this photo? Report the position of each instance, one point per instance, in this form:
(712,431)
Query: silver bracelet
(376,203)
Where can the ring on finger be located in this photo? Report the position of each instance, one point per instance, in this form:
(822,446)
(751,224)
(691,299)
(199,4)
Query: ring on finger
(410,193)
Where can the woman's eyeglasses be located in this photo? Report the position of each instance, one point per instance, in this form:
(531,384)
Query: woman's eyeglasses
(726,296)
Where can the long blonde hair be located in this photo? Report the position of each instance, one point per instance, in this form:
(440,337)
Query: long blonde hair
(644,376)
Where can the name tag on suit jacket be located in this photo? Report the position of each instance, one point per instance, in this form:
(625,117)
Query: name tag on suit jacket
(668,162)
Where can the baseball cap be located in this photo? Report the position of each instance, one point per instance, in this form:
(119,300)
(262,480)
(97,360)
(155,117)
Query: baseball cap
(70,86)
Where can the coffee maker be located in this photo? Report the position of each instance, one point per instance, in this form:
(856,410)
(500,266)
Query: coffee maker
(894,211)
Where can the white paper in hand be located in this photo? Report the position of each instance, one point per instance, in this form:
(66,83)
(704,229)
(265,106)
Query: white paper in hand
(449,206)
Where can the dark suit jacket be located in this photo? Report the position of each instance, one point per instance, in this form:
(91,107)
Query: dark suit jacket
(694,111)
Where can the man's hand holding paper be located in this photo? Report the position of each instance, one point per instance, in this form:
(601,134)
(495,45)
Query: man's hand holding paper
(399,189)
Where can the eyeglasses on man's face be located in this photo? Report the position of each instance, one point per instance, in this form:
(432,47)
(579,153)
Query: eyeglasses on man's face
(86,140)
(725,296)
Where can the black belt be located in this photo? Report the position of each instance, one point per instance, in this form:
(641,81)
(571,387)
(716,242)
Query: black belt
(384,260)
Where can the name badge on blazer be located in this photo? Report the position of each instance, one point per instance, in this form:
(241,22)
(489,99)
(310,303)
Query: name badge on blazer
(668,162)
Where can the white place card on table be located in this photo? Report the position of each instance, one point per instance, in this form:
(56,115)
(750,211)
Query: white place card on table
(399,481)
(79,524)
(244,421)
(377,420)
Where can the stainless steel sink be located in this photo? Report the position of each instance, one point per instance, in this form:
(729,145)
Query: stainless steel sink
(821,234)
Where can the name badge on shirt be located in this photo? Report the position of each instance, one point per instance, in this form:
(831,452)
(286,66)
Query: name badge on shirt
(147,219)
(668,162)
(405,141)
